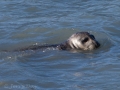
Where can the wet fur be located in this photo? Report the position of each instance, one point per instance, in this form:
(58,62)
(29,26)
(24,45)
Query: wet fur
(74,42)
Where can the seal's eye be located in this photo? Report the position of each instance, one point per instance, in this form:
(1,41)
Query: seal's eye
(85,40)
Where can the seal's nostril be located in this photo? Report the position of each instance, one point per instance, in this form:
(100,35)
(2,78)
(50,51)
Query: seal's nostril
(97,44)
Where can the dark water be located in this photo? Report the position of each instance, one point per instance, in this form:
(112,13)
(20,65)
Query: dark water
(28,22)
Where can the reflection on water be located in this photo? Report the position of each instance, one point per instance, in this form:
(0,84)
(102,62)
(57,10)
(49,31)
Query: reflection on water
(27,22)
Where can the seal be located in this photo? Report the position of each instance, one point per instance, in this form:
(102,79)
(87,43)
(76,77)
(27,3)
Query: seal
(81,41)
(77,41)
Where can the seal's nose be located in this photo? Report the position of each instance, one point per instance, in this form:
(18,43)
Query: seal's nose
(97,44)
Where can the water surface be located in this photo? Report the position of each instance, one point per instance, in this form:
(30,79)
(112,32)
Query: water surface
(28,22)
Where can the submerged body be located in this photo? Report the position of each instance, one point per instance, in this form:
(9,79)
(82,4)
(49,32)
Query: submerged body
(78,41)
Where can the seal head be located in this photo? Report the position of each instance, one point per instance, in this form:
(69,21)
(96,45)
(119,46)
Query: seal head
(80,41)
